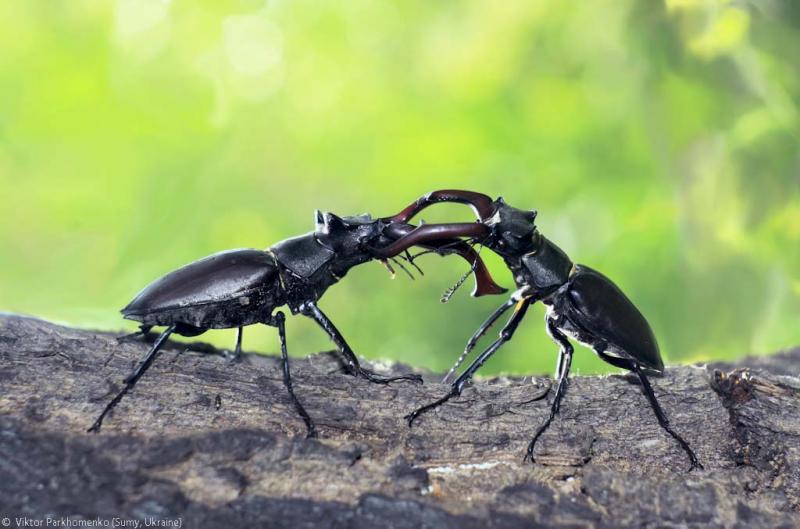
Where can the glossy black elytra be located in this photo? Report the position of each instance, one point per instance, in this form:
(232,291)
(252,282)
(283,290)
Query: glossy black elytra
(236,288)
(581,303)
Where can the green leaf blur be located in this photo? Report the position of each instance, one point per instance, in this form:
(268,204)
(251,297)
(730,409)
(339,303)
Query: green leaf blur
(658,141)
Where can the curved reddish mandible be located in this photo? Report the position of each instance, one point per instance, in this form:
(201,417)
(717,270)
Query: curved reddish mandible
(484,283)
(480,203)
(428,233)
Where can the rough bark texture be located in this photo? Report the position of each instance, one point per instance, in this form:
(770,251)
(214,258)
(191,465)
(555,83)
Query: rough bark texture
(216,444)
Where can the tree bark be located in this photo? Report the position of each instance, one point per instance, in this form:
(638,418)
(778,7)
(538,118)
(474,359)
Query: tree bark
(205,442)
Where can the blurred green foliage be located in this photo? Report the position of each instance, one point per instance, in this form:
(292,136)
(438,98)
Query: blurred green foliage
(659,142)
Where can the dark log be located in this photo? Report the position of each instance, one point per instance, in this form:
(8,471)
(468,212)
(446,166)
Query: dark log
(205,442)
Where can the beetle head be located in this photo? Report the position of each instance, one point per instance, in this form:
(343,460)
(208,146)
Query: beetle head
(345,234)
(512,229)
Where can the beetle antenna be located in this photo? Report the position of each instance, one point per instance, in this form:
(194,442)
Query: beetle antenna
(452,290)
(453,369)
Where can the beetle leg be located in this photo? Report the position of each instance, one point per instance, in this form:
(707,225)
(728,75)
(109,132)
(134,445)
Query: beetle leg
(237,352)
(477,336)
(564,363)
(662,418)
(311,310)
(505,335)
(278,321)
(131,379)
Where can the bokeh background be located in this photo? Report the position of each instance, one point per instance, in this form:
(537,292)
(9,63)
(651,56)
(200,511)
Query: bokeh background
(658,140)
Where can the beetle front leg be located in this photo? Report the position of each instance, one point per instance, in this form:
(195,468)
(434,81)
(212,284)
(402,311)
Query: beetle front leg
(278,321)
(505,335)
(477,336)
(354,368)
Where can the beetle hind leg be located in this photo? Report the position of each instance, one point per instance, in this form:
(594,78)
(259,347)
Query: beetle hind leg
(662,418)
(131,379)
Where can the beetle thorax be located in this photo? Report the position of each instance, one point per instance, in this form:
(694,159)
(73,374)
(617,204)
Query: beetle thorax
(544,268)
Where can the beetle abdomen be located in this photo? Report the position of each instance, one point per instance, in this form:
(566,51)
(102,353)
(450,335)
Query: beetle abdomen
(600,308)
(218,291)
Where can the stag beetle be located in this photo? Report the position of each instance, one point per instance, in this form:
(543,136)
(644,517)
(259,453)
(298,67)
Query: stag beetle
(582,303)
(235,288)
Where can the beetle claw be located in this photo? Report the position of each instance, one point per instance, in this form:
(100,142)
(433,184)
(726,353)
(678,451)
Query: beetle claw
(529,453)
(696,465)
